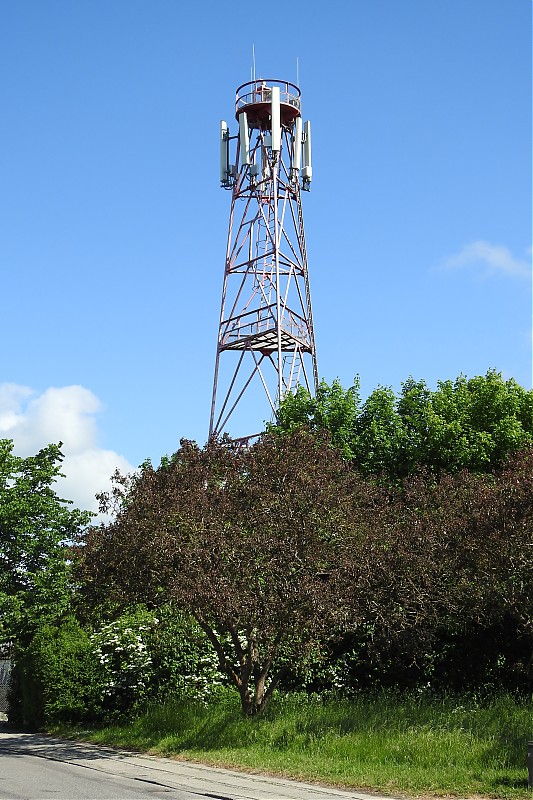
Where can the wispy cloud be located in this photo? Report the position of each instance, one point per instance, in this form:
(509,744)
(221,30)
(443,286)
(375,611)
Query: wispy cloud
(493,259)
(66,414)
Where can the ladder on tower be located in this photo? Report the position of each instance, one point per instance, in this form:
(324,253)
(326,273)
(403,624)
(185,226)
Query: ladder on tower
(292,365)
(264,292)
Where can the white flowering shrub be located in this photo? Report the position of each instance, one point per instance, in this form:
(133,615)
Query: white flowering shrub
(203,683)
(141,656)
(126,669)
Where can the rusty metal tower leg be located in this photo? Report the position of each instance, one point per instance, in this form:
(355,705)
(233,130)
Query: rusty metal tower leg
(266,335)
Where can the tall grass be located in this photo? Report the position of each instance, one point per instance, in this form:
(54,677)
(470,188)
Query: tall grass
(385,742)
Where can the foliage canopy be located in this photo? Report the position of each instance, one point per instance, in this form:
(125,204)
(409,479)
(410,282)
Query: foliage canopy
(471,424)
(249,541)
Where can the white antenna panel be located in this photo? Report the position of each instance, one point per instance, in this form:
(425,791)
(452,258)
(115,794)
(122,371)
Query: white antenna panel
(275,120)
(244,138)
(297,152)
(307,145)
(224,165)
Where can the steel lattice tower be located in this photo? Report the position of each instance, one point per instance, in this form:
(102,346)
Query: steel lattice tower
(266,323)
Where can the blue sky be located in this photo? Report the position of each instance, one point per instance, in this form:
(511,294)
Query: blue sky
(113,225)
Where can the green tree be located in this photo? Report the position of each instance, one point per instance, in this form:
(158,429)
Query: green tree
(469,424)
(56,678)
(378,434)
(35,528)
(332,408)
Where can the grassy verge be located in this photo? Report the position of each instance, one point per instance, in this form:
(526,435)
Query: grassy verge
(390,743)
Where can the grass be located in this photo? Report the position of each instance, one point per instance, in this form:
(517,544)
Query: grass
(391,743)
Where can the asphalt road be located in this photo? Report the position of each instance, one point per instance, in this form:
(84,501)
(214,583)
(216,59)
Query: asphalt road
(38,767)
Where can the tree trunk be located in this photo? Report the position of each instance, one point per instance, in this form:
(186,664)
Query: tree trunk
(256,703)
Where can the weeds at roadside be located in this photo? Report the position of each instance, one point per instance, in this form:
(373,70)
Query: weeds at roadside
(388,742)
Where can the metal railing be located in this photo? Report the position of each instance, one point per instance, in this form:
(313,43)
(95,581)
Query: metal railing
(259,91)
(263,320)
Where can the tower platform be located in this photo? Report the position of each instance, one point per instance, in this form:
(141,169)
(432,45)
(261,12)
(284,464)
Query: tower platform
(255,98)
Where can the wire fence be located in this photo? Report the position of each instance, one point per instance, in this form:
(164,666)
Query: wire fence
(5,672)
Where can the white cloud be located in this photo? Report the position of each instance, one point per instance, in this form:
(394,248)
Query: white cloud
(65,414)
(495,259)
(11,397)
